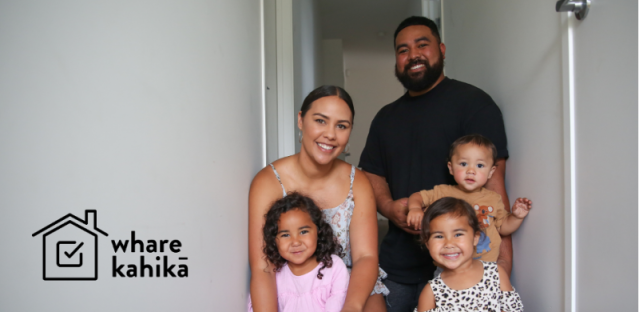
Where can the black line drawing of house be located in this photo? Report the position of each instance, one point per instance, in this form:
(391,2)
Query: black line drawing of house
(70,248)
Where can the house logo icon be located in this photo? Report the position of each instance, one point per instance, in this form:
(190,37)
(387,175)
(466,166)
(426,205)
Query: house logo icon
(70,248)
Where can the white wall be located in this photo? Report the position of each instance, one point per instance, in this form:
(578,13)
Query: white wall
(606,162)
(333,62)
(371,82)
(307,49)
(512,50)
(149,112)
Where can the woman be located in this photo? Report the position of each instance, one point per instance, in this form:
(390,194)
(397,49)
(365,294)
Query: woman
(343,192)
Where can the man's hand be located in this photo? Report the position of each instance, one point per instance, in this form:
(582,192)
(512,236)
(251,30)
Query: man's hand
(521,207)
(398,215)
(394,210)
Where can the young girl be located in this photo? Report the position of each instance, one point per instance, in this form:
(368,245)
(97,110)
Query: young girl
(450,231)
(300,248)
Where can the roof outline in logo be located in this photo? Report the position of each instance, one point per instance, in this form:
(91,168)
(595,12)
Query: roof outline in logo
(83,223)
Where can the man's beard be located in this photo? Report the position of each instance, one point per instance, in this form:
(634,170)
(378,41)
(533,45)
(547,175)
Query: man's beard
(428,78)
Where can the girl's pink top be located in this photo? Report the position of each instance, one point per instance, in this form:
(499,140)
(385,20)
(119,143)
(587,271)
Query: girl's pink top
(310,294)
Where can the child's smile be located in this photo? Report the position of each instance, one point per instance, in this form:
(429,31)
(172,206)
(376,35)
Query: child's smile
(452,241)
(297,241)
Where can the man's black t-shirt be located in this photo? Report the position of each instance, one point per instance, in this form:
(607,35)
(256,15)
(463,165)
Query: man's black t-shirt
(408,144)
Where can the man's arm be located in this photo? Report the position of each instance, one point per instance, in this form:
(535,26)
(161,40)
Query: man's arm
(496,184)
(396,210)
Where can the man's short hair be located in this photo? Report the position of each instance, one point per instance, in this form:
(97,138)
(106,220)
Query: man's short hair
(476,139)
(418,20)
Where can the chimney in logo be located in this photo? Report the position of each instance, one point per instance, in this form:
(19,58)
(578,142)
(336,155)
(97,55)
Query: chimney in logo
(90,218)
(70,248)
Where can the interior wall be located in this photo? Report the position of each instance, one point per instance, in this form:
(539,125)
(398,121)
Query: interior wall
(307,53)
(333,62)
(606,157)
(371,83)
(512,50)
(148,112)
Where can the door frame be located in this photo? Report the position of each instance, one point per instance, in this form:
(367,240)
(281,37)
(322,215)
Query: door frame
(278,78)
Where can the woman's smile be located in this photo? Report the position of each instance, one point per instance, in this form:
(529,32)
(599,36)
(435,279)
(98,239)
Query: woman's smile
(325,147)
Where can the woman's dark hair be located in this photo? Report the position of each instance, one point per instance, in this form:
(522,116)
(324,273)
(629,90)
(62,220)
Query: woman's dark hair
(455,206)
(326,244)
(476,139)
(416,21)
(325,91)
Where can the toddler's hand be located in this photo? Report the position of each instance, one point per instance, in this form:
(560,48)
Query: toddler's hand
(414,218)
(521,207)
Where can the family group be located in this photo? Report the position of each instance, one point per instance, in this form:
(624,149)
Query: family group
(433,164)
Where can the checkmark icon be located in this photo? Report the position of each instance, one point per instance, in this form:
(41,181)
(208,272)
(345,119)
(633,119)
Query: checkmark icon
(74,251)
(69,260)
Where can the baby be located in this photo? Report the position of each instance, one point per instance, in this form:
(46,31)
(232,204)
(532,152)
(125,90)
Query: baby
(472,162)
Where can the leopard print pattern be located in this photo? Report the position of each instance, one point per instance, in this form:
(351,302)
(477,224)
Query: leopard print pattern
(484,296)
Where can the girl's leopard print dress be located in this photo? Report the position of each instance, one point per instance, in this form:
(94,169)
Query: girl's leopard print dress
(484,296)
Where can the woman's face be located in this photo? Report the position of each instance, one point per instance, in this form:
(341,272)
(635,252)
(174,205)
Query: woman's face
(326,128)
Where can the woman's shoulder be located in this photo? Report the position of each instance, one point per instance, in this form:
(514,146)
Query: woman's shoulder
(284,161)
(265,186)
(264,178)
(360,181)
(267,174)
(342,169)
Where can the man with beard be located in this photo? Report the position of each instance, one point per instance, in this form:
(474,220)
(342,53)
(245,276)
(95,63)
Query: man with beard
(407,150)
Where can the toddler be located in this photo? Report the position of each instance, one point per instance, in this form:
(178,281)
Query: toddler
(300,248)
(451,231)
(472,162)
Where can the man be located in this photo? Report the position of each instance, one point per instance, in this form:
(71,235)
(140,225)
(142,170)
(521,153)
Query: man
(407,150)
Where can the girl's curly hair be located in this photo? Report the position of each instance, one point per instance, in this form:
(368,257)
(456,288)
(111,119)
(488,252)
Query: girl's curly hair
(326,244)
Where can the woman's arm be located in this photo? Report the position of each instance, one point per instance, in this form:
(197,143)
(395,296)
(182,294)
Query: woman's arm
(363,236)
(262,194)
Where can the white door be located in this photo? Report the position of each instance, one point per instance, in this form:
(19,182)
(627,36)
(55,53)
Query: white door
(568,93)
(605,93)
